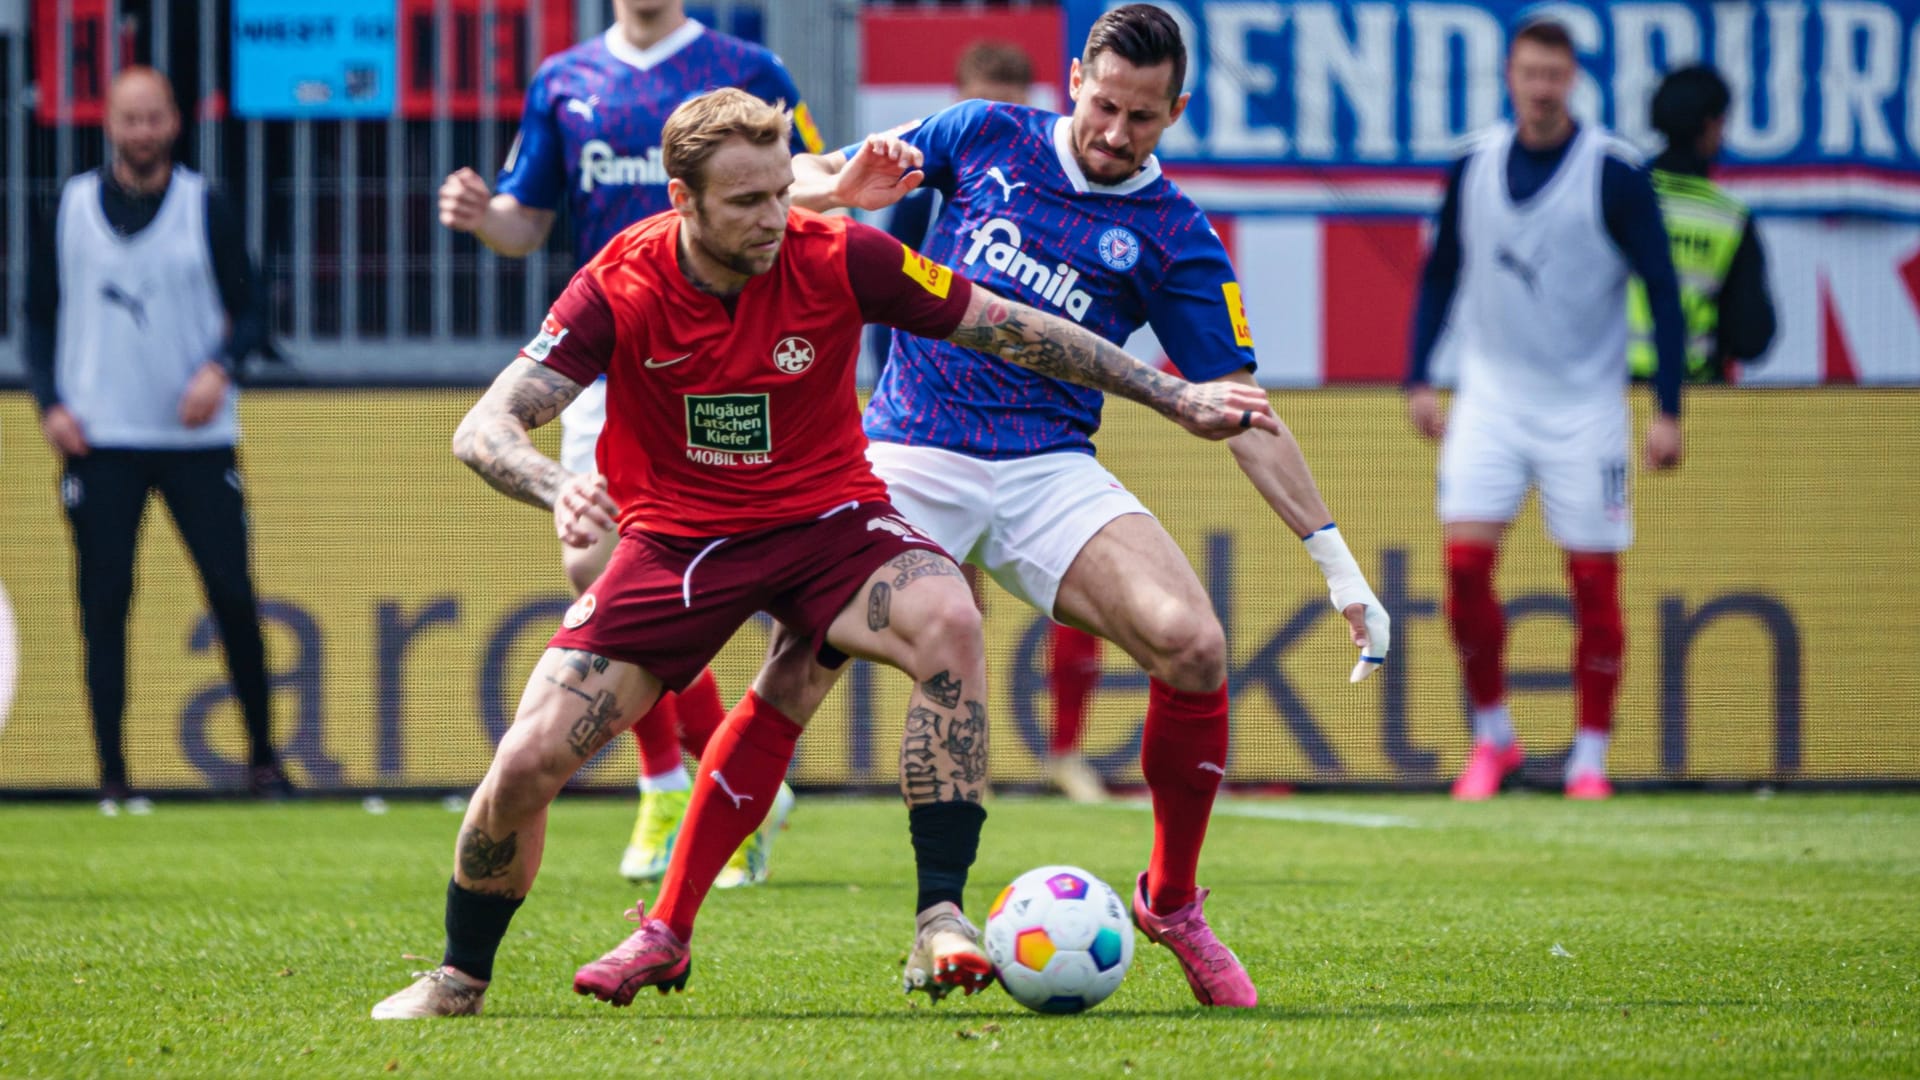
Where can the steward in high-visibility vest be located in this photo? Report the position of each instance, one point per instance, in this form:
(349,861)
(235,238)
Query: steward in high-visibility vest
(1716,251)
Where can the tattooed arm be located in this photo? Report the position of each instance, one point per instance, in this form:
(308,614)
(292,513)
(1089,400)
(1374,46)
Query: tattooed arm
(1053,346)
(492,439)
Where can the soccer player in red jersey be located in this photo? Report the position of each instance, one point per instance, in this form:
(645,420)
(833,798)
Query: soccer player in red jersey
(734,464)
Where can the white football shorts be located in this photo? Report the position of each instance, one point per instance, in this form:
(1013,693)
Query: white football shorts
(1022,520)
(580,424)
(1577,457)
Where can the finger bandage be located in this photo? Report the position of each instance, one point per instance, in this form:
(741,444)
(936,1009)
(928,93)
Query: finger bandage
(1348,586)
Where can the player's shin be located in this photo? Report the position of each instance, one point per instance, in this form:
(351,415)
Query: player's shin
(1598,647)
(738,779)
(1183,756)
(1478,626)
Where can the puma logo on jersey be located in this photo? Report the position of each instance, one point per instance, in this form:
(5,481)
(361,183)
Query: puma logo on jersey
(1006,186)
(728,791)
(136,307)
(583,108)
(1505,259)
(998,242)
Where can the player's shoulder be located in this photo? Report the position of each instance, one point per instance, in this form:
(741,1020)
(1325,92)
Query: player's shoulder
(804,222)
(588,55)
(751,56)
(638,243)
(1614,147)
(1482,140)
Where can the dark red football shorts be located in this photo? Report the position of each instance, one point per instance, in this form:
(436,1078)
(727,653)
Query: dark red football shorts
(670,603)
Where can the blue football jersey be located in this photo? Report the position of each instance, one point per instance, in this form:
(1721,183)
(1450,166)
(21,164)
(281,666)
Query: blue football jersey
(590,130)
(1022,219)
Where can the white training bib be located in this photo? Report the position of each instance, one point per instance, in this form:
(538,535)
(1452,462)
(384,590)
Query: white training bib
(1542,308)
(138,316)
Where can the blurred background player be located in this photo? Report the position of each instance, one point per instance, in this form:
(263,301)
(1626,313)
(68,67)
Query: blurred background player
(1716,249)
(140,309)
(999,71)
(1542,224)
(590,135)
(996,462)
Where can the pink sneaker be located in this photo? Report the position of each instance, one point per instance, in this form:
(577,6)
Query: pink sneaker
(1486,767)
(1589,785)
(1212,970)
(651,956)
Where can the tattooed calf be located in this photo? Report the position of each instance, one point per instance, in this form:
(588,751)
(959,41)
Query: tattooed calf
(481,856)
(943,688)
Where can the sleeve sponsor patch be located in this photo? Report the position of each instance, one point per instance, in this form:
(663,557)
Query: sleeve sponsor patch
(1237,313)
(809,131)
(550,334)
(932,276)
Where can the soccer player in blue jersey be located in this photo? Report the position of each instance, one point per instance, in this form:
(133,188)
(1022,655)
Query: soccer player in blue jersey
(1072,215)
(590,138)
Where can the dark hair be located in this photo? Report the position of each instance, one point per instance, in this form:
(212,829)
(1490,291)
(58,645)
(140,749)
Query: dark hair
(1687,99)
(994,61)
(1545,32)
(1143,36)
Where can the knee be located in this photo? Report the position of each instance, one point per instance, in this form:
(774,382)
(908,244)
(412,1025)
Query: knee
(947,634)
(1189,651)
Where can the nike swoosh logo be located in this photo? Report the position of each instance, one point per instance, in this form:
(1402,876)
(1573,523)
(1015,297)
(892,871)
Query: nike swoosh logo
(652,363)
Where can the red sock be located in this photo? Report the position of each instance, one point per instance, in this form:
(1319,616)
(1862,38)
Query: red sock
(1479,626)
(653,736)
(1601,640)
(739,776)
(1184,757)
(1075,673)
(701,714)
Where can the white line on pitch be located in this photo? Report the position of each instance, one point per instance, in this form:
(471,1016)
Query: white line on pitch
(1276,812)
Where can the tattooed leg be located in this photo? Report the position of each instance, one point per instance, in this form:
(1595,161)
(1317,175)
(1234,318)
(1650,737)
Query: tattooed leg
(574,704)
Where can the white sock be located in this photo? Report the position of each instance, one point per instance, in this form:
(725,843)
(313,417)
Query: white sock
(1589,754)
(674,779)
(1493,725)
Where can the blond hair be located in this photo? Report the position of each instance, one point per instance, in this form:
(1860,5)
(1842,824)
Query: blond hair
(701,125)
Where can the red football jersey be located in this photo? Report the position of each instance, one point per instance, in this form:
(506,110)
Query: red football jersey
(727,421)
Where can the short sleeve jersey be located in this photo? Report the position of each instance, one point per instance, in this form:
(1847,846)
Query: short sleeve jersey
(1022,219)
(590,129)
(720,421)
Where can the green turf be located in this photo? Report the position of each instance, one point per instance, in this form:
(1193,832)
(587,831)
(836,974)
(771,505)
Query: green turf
(1674,935)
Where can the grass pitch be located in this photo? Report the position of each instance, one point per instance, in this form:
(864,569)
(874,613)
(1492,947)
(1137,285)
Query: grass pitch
(1672,935)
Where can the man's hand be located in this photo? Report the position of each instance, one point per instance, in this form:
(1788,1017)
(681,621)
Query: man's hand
(203,395)
(463,200)
(1664,446)
(1423,408)
(1221,410)
(63,431)
(584,512)
(882,172)
(1368,627)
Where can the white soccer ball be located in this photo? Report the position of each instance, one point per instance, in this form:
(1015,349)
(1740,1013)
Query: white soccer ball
(1060,938)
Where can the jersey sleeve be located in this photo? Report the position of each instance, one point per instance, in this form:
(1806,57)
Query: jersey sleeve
(940,138)
(775,84)
(577,337)
(535,171)
(899,287)
(1197,311)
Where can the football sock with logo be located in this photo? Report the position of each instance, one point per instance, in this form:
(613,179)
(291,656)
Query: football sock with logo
(1478,624)
(701,714)
(738,779)
(655,735)
(946,836)
(1601,639)
(1076,671)
(475,924)
(1183,754)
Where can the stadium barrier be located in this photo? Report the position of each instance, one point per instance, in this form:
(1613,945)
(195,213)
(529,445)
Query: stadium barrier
(1770,605)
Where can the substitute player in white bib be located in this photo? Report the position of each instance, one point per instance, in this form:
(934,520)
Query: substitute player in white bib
(1543,225)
